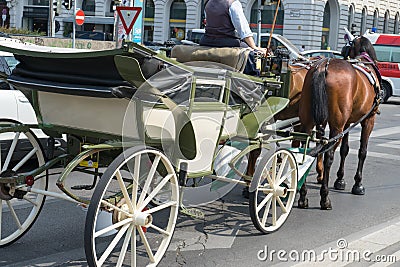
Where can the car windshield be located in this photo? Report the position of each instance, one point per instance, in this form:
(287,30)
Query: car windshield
(11,62)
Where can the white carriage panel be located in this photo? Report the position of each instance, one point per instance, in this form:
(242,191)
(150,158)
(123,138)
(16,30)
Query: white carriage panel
(232,119)
(206,125)
(159,123)
(104,115)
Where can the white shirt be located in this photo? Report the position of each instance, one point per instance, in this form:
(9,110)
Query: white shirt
(239,20)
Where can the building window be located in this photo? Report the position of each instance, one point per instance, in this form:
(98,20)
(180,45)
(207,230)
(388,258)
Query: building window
(148,21)
(396,24)
(267,18)
(375,21)
(364,20)
(89,6)
(350,20)
(177,20)
(386,22)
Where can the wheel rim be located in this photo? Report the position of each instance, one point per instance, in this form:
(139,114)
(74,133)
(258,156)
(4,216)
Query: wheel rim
(273,198)
(18,214)
(136,233)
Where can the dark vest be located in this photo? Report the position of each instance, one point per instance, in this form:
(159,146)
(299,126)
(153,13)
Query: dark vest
(219,22)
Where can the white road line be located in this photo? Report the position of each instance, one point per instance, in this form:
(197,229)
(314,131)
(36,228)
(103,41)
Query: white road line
(366,244)
(376,154)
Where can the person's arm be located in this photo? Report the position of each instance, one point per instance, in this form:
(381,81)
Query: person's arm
(241,25)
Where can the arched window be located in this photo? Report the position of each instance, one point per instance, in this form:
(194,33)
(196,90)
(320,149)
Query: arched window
(177,20)
(148,21)
(375,21)
(386,22)
(350,19)
(267,18)
(396,24)
(363,25)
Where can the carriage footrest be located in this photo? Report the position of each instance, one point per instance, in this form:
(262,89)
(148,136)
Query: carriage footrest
(82,187)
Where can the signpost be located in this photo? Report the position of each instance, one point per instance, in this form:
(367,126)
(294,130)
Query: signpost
(128,16)
(79,17)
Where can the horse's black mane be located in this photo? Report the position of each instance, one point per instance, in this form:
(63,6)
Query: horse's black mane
(363,44)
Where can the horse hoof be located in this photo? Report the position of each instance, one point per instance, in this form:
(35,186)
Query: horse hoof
(358,190)
(326,205)
(303,204)
(340,184)
(245,192)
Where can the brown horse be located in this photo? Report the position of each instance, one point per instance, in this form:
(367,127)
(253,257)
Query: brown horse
(338,94)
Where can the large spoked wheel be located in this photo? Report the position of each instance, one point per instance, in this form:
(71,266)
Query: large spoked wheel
(122,227)
(273,190)
(21,152)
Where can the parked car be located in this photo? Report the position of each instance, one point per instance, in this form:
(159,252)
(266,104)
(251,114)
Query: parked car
(322,53)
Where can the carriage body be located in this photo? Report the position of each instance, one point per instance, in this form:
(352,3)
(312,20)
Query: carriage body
(167,122)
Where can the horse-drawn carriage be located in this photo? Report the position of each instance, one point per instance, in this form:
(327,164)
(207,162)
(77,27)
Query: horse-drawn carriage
(144,126)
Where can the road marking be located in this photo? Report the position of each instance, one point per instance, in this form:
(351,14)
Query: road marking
(391,144)
(366,244)
(376,154)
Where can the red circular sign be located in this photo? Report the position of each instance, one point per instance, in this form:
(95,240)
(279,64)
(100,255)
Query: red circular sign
(79,17)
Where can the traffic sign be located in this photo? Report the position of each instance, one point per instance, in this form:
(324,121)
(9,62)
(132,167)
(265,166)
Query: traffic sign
(128,16)
(79,17)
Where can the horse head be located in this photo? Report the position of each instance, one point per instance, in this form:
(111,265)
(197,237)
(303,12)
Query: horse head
(360,46)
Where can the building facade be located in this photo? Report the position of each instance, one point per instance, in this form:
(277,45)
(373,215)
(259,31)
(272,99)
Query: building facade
(313,23)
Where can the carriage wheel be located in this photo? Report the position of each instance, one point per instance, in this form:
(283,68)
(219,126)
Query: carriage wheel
(20,152)
(273,190)
(121,226)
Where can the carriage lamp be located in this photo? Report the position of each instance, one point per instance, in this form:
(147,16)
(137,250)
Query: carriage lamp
(29,180)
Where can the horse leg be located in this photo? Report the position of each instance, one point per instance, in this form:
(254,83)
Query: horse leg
(328,160)
(366,128)
(303,200)
(320,165)
(340,183)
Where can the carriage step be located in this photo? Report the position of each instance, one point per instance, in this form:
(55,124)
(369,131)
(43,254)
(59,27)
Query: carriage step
(82,187)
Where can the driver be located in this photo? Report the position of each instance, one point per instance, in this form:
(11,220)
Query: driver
(227,26)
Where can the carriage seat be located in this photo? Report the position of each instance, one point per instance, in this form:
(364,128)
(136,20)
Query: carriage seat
(235,57)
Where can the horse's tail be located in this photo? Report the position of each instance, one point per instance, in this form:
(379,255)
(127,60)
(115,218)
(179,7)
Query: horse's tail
(319,97)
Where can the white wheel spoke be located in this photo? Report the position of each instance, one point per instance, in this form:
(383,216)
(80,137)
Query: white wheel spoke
(274,165)
(124,191)
(112,227)
(263,202)
(160,207)
(281,204)
(146,244)
(160,230)
(291,189)
(281,168)
(11,151)
(125,246)
(112,245)
(1,214)
(136,173)
(274,211)
(133,247)
(14,215)
(115,207)
(25,159)
(269,179)
(155,191)
(30,201)
(149,179)
(266,211)
(286,176)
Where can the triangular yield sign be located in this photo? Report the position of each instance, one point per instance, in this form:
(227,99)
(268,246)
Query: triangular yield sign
(128,16)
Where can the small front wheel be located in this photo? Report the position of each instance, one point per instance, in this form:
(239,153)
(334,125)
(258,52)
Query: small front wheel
(273,190)
(122,227)
(20,152)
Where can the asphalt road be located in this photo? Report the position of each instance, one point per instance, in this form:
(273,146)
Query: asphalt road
(226,237)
